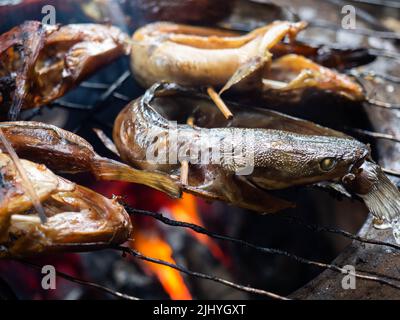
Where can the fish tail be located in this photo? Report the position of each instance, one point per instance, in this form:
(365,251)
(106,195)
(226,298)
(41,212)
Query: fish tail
(107,169)
(383,200)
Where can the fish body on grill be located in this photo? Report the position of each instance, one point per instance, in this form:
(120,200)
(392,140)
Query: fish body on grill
(238,160)
(78,218)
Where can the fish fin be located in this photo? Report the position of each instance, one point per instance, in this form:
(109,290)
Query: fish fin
(306,78)
(260,200)
(107,169)
(251,71)
(278,31)
(383,200)
(240,192)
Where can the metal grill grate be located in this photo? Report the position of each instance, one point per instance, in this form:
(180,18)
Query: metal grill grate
(84,116)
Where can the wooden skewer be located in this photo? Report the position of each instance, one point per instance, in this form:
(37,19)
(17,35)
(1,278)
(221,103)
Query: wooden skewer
(184,172)
(219,103)
(26,219)
(185,163)
(190,121)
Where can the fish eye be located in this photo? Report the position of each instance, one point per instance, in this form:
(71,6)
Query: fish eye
(327,164)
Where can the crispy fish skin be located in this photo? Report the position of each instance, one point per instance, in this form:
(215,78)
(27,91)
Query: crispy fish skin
(66,152)
(12,197)
(40,63)
(196,56)
(193,56)
(280,158)
(19,50)
(77,218)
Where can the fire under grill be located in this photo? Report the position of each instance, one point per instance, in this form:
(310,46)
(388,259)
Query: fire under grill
(188,248)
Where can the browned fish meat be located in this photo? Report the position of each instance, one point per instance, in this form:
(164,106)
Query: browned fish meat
(197,56)
(66,152)
(281,151)
(39,63)
(77,218)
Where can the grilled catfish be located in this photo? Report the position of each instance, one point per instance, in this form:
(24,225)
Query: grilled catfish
(257,61)
(39,63)
(77,218)
(237,160)
(66,152)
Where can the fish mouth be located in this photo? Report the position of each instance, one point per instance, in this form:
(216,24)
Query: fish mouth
(355,168)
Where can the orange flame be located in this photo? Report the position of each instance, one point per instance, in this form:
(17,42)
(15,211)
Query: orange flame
(185,210)
(151,244)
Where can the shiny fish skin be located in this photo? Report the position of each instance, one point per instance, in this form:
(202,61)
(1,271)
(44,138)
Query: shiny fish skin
(282,158)
(66,152)
(77,218)
(192,56)
(40,63)
(198,56)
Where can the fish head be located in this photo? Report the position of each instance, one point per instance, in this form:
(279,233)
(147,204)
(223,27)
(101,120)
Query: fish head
(292,159)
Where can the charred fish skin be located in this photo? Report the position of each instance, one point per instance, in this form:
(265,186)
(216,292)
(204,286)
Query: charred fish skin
(191,55)
(196,56)
(62,151)
(40,63)
(66,152)
(278,159)
(76,217)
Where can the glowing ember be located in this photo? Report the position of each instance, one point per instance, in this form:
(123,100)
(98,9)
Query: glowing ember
(151,244)
(149,239)
(185,210)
